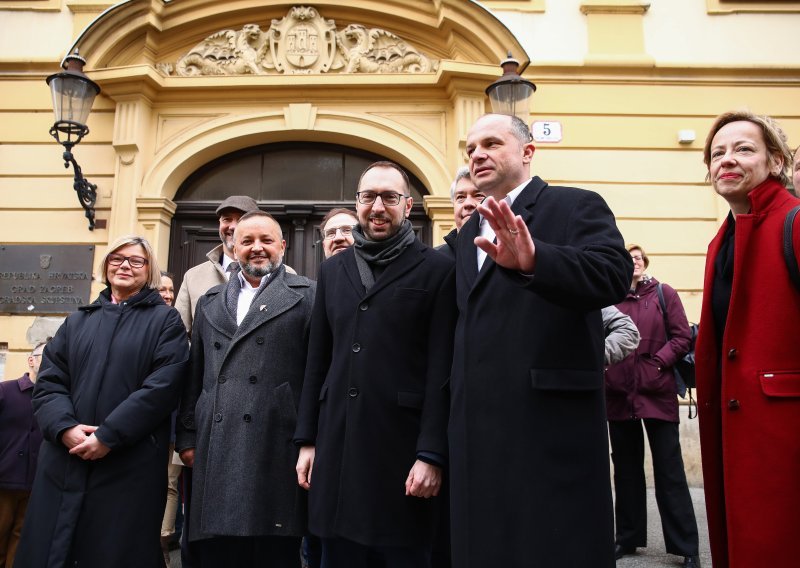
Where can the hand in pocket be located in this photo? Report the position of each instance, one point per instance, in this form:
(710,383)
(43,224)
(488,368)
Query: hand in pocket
(651,379)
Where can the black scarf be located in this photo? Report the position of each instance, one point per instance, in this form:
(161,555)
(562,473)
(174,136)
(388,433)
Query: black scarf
(379,254)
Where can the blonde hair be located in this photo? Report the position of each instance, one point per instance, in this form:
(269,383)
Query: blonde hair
(774,138)
(632,247)
(153,272)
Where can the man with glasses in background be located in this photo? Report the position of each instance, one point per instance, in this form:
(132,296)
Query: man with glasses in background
(20,439)
(373,416)
(336,230)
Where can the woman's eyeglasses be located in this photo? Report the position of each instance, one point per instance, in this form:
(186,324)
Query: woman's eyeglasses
(134,261)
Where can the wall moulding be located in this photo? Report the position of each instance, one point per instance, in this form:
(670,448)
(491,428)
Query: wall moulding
(353,37)
(613,7)
(739,6)
(302,42)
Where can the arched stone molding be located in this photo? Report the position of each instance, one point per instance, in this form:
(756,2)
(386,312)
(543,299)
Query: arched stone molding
(197,146)
(140,32)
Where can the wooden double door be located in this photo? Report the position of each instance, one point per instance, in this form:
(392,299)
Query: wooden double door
(297,183)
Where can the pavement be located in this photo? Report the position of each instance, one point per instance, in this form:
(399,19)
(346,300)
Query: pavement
(654,556)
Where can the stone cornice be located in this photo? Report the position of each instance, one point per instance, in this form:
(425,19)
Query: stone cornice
(613,7)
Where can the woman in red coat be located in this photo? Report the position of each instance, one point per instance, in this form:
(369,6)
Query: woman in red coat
(747,355)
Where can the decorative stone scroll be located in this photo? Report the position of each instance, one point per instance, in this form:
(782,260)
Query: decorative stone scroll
(301,43)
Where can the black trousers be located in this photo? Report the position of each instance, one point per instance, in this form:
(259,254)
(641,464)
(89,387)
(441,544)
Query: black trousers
(672,492)
(247,552)
(343,553)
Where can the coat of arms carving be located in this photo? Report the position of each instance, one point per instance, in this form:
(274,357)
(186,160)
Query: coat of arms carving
(301,42)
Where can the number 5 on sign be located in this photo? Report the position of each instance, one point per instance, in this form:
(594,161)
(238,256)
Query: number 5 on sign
(546,131)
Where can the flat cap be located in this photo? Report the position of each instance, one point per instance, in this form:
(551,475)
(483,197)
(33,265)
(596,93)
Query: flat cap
(243,203)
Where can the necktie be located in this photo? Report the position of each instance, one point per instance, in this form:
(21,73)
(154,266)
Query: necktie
(233,268)
(232,290)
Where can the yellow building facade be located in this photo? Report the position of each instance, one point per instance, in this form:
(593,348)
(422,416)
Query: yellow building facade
(187,83)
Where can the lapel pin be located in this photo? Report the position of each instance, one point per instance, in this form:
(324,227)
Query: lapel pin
(262,308)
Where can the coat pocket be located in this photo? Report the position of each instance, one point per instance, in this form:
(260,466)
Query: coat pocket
(781,384)
(651,379)
(574,380)
(411,293)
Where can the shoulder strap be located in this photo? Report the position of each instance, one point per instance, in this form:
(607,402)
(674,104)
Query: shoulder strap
(663,304)
(788,246)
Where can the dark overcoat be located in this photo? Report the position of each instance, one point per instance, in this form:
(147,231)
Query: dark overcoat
(748,392)
(20,437)
(239,411)
(118,367)
(528,444)
(373,397)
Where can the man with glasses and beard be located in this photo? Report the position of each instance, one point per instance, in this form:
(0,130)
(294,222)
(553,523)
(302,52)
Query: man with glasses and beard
(238,408)
(372,422)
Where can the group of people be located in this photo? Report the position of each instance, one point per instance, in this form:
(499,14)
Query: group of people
(410,389)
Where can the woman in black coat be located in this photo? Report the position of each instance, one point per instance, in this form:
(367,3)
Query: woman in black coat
(107,384)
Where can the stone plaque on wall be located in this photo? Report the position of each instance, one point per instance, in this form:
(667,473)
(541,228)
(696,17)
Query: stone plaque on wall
(45,279)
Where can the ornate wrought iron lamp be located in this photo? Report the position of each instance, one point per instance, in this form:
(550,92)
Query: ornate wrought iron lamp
(73,95)
(510,94)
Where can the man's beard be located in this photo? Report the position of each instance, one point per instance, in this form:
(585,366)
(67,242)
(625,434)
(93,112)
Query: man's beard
(260,271)
(227,241)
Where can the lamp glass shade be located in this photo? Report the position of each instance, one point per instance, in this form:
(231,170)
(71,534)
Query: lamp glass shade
(73,96)
(511,98)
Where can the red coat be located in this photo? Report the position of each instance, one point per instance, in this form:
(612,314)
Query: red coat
(750,413)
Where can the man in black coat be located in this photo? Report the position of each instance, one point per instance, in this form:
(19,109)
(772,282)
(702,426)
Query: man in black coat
(528,445)
(373,414)
(465,198)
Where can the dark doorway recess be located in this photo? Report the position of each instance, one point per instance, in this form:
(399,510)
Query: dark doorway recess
(296,182)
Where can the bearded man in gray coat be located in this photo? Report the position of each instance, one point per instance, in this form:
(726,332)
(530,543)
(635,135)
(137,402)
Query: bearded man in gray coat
(238,410)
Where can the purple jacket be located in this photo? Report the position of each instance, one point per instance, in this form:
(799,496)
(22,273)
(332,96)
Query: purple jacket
(20,437)
(635,388)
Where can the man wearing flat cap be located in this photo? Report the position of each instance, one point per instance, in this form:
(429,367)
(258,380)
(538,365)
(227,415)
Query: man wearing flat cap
(201,278)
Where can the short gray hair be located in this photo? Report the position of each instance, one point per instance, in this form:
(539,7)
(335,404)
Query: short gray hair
(461,173)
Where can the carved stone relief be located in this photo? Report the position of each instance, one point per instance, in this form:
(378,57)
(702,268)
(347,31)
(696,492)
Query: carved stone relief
(301,42)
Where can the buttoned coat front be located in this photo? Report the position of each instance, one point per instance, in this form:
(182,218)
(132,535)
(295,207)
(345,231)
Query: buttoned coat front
(373,398)
(238,411)
(529,463)
(20,436)
(748,393)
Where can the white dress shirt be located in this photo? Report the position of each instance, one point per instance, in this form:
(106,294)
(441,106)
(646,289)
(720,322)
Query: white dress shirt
(486,229)
(246,295)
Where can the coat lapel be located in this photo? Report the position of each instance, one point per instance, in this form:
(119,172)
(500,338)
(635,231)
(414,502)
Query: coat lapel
(351,269)
(217,315)
(467,252)
(274,300)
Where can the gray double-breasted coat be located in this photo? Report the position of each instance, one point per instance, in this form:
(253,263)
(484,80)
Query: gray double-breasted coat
(238,411)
